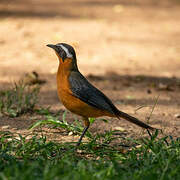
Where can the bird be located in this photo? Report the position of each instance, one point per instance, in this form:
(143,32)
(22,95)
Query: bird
(79,96)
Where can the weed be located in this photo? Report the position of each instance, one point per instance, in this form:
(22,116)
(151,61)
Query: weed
(53,120)
(18,100)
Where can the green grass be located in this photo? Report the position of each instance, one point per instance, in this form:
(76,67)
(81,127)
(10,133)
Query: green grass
(36,158)
(18,100)
(52,120)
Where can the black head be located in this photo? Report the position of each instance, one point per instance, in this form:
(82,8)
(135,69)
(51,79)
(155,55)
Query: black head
(64,50)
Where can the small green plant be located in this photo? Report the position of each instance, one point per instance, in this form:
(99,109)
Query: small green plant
(18,100)
(53,120)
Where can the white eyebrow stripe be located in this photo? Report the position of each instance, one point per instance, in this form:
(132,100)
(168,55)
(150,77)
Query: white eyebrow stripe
(69,55)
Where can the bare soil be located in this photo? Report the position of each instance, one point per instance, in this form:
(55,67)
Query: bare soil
(128,49)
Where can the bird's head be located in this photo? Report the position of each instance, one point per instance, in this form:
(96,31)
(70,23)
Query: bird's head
(65,52)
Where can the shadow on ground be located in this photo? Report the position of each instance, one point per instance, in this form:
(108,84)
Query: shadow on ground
(113,83)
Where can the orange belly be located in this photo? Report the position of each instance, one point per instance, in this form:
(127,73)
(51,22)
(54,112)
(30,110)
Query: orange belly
(79,107)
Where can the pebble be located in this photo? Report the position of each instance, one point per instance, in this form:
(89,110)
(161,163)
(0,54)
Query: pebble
(177,115)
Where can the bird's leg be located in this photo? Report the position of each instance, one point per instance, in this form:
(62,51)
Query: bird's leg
(87,124)
(149,133)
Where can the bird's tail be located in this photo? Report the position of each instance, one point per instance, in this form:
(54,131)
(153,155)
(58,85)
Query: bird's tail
(134,120)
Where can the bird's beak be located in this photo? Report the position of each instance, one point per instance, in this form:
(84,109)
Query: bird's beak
(52,46)
(58,50)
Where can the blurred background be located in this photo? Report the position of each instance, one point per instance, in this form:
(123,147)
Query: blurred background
(130,49)
(124,36)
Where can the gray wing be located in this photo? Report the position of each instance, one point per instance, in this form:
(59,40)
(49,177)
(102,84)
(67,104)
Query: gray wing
(86,92)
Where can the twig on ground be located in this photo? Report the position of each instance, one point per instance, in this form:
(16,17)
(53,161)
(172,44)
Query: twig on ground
(155,103)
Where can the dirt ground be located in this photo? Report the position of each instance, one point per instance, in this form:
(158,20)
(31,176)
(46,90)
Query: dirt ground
(128,49)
